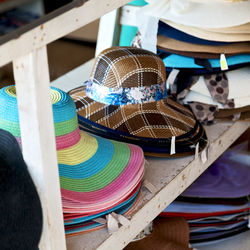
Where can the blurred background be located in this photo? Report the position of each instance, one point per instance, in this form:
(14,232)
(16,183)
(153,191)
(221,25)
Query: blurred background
(64,54)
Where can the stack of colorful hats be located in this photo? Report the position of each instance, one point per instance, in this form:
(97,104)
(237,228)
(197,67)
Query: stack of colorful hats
(217,204)
(211,38)
(223,95)
(97,176)
(126,100)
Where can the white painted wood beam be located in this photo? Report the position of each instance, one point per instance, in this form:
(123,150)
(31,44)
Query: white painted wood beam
(108,32)
(38,141)
(56,28)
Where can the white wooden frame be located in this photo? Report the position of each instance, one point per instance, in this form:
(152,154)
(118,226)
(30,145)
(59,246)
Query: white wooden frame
(56,28)
(29,56)
(28,53)
(108,31)
(38,141)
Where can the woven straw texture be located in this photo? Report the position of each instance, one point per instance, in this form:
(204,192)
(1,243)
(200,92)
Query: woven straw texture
(161,119)
(64,114)
(123,101)
(127,67)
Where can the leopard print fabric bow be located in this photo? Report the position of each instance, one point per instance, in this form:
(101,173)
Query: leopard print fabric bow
(218,87)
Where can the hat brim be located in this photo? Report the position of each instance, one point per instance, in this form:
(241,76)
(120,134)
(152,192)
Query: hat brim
(114,191)
(209,34)
(216,183)
(149,125)
(85,227)
(75,217)
(76,179)
(153,147)
(174,44)
(202,14)
(159,119)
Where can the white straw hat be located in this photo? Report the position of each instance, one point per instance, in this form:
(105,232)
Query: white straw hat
(200,13)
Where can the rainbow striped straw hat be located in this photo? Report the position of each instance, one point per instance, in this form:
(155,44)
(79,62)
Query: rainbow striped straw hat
(96,174)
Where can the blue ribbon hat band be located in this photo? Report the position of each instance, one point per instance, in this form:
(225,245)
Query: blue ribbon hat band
(123,96)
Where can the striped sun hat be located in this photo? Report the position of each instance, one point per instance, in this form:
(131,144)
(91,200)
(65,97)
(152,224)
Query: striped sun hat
(96,174)
(126,98)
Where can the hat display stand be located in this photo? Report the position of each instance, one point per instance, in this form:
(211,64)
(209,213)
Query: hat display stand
(168,177)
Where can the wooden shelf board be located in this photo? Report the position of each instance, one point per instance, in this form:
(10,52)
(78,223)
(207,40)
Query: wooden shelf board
(170,177)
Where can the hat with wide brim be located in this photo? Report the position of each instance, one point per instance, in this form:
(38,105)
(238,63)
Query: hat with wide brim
(150,125)
(102,198)
(209,34)
(209,14)
(183,62)
(193,210)
(201,55)
(168,31)
(127,92)
(126,95)
(92,169)
(226,178)
(87,224)
(79,217)
(185,145)
(181,46)
(218,235)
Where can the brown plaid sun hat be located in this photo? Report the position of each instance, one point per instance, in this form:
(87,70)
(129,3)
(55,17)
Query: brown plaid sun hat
(126,99)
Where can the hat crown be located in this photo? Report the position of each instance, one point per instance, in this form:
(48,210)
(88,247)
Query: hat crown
(64,115)
(127,67)
(62,104)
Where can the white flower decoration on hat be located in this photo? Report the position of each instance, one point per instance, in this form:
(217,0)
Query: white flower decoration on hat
(136,94)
